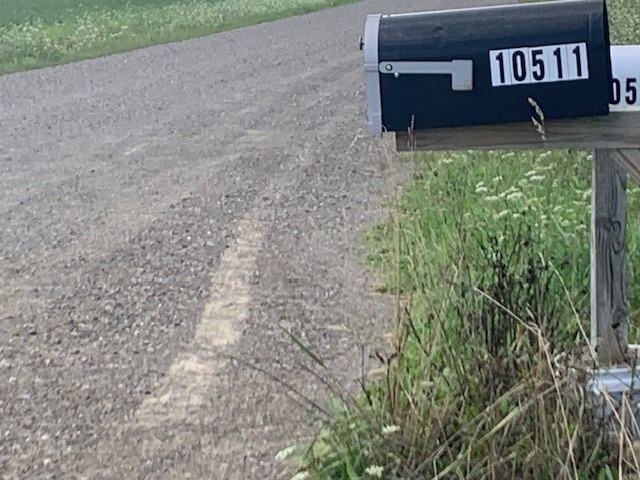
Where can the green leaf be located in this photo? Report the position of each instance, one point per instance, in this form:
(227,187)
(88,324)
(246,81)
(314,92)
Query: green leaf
(351,472)
(303,347)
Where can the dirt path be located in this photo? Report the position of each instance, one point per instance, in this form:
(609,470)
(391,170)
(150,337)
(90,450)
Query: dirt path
(162,214)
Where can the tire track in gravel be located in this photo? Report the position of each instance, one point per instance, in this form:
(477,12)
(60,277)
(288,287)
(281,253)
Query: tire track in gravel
(193,374)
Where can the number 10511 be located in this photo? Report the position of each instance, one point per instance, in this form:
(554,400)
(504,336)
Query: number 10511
(550,63)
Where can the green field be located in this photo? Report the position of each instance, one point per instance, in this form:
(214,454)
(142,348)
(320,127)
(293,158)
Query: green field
(51,11)
(40,33)
(487,257)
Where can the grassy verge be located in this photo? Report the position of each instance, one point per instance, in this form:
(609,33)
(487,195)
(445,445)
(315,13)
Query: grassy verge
(488,255)
(47,33)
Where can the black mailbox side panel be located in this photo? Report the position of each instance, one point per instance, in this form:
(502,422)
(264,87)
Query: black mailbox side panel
(554,53)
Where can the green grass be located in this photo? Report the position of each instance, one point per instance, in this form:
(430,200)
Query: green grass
(48,32)
(487,254)
(51,11)
(624,18)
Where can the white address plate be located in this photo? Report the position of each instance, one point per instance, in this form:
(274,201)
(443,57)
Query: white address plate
(568,62)
(548,63)
(625,63)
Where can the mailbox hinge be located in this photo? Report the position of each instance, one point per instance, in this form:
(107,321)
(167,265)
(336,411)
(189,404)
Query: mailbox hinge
(461,71)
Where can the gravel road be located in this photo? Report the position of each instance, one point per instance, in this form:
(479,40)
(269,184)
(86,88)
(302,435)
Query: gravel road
(162,214)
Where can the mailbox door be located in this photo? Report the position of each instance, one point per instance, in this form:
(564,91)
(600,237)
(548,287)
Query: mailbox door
(555,55)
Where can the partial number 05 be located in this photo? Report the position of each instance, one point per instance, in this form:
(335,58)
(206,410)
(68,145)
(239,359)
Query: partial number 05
(625,91)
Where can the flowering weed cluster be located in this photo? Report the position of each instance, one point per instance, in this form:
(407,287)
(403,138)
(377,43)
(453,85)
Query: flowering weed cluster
(489,253)
(488,256)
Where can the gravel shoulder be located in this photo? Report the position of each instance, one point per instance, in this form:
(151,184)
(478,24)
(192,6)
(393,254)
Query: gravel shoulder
(162,213)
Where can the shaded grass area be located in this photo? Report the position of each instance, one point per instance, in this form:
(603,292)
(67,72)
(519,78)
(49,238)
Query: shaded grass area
(487,256)
(41,35)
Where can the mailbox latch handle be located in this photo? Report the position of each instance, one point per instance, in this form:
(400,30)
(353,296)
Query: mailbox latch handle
(461,71)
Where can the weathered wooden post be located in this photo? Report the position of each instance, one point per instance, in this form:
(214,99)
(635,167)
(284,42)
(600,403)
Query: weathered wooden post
(608,247)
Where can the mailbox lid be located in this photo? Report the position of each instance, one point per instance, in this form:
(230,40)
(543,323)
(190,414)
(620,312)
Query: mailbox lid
(569,38)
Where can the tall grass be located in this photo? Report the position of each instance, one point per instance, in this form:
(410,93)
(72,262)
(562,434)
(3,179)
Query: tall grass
(75,33)
(490,259)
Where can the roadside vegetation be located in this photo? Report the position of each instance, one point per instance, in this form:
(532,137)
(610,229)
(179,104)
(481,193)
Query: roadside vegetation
(40,33)
(487,255)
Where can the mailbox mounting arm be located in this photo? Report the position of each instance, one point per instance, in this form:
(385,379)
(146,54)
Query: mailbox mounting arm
(461,71)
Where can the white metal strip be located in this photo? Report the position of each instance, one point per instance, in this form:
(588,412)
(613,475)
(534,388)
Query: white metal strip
(372,75)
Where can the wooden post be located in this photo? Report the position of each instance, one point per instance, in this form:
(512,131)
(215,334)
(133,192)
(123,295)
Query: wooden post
(608,243)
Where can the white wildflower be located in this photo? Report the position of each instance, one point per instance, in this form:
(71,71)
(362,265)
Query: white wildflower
(530,173)
(536,178)
(285,453)
(300,475)
(482,190)
(500,215)
(388,429)
(374,471)
(491,198)
(497,179)
(514,196)
(479,184)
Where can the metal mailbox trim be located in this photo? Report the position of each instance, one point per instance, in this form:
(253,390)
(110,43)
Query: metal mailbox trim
(372,74)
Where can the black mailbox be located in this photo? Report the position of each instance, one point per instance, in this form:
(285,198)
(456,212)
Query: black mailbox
(483,65)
